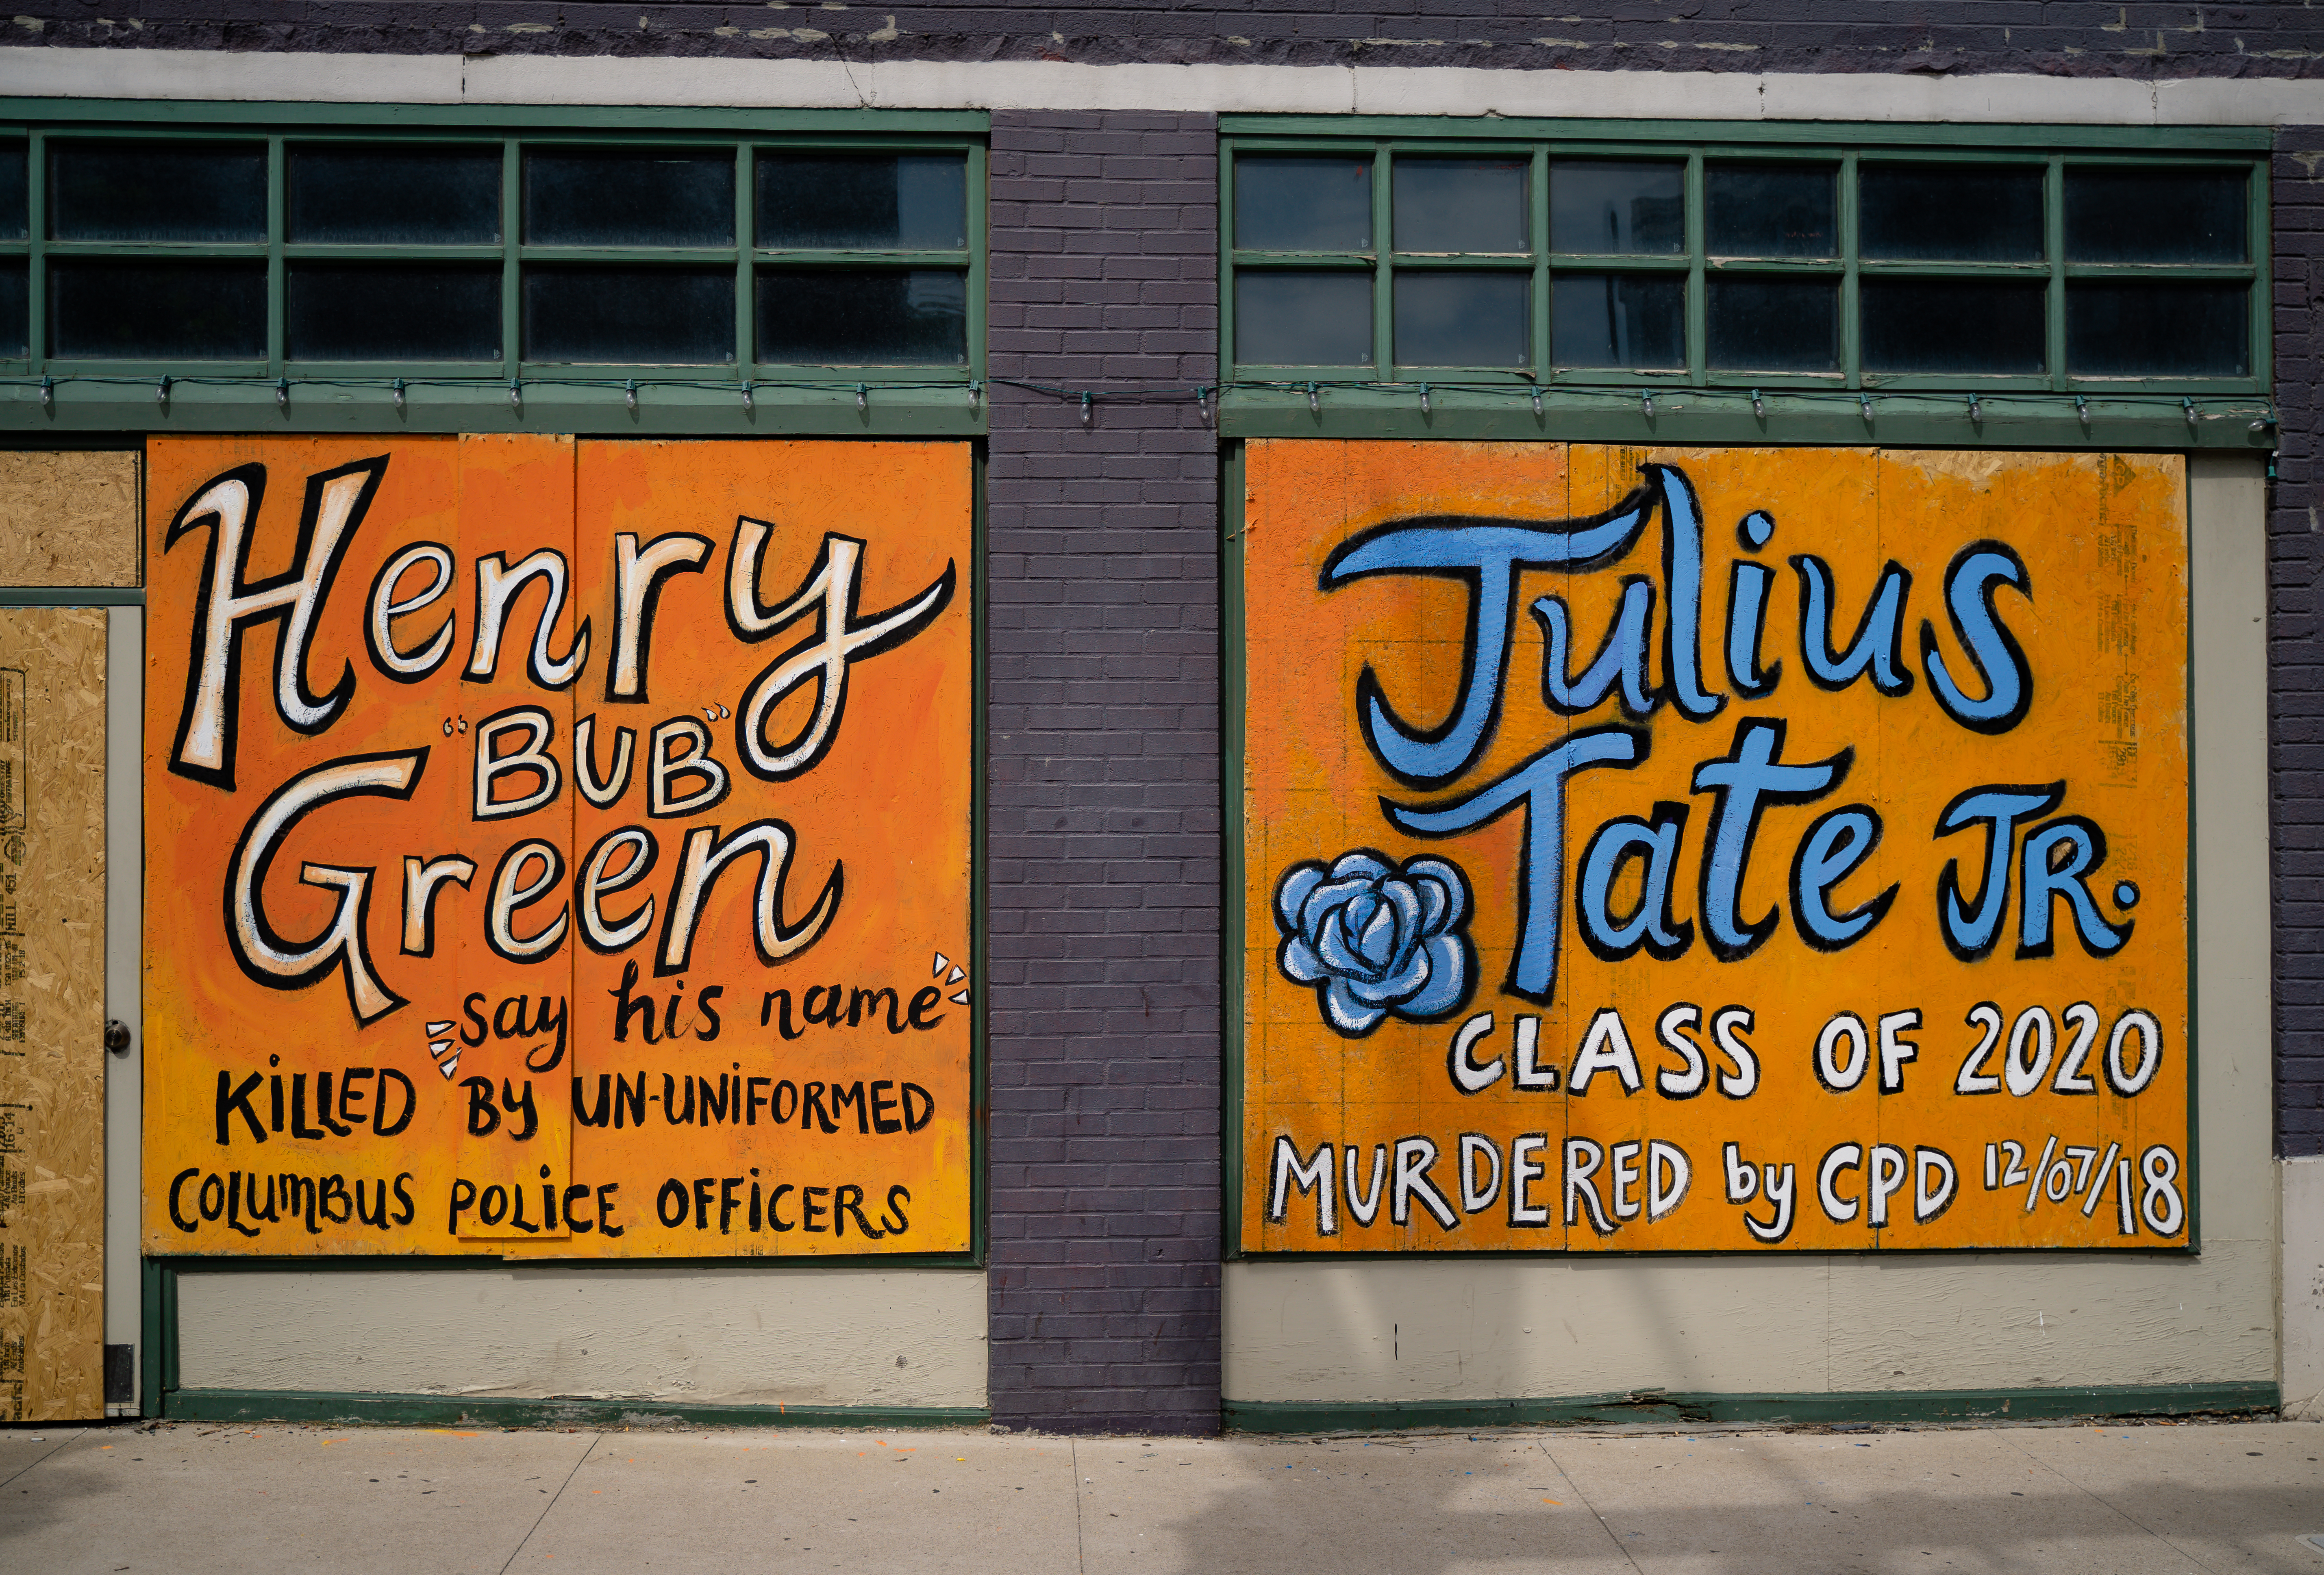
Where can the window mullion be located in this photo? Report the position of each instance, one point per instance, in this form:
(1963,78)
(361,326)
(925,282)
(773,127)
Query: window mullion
(511,279)
(36,264)
(1698,296)
(1851,309)
(2053,242)
(1383,239)
(278,280)
(746,236)
(1537,234)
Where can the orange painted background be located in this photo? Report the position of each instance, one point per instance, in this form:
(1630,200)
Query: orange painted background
(1345,1130)
(419,973)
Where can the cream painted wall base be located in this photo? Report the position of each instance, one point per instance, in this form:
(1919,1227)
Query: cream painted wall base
(1482,1328)
(747,1335)
(2303,1290)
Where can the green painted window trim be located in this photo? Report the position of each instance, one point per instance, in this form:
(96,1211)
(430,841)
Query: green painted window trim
(1877,1407)
(1696,403)
(40,392)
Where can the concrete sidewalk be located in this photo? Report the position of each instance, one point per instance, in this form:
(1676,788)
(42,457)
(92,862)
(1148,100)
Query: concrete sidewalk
(188,1498)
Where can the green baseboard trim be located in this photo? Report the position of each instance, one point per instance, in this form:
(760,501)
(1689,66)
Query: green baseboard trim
(454,1411)
(1655,1406)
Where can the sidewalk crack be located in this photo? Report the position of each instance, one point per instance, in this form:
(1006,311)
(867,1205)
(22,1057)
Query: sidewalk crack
(36,1460)
(1081,1559)
(1575,1488)
(596,1438)
(2107,1503)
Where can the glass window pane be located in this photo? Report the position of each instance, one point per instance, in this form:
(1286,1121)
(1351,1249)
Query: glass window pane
(1980,213)
(1462,319)
(2130,329)
(2156,215)
(157,311)
(863,317)
(1941,325)
(1608,206)
(1460,205)
(1775,325)
(1302,318)
(1634,321)
(629,316)
(13,225)
(1771,210)
(390,312)
(156,191)
(629,199)
(395,196)
(914,201)
(16,312)
(1303,205)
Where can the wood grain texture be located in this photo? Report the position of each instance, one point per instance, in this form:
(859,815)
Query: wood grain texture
(67,519)
(51,1014)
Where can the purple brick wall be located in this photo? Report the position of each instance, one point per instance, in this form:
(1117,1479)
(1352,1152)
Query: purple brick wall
(2295,661)
(1104,728)
(2080,38)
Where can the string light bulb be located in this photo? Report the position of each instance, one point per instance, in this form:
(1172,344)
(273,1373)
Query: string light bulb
(2082,413)
(630,395)
(516,395)
(282,393)
(162,390)
(1864,403)
(2188,405)
(1536,400)
(975,393)
(1758,406)
(1976,412)
(398,391)
(1089,407)
(1315,401)
(750,406)
(862,399)
(1423,400)
(48,393)
(1646,405)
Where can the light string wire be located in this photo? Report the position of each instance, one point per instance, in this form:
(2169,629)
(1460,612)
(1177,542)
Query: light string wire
(1974,404)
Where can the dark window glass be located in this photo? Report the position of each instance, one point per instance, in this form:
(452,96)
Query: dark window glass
(863,317)
(1304,318)
(2156,215)
(13,223)
(640,316)
(629,199)
(395,196)
(156,191)
(918,202)
(1771,210)
(157,311)
(1775,325)
(15,312)
(1635,320)
(1460,205)
(1616,206)
(2133,329)
(1462,319)
(1947,324)
(393,312)
(1303,205)
(1934,211)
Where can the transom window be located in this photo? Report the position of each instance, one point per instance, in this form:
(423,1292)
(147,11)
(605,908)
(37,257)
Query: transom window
(1784,266)
(456,254)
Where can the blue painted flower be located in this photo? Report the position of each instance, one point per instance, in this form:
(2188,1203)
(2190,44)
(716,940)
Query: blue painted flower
(1374,939)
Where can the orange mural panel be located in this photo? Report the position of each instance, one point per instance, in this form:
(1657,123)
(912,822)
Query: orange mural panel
(558,848)
(1713,850)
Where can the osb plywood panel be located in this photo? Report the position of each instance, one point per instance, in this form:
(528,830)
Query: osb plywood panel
(67,519)
(52,1013)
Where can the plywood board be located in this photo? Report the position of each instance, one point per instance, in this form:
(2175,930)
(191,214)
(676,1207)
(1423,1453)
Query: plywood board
(52,1013)
(67,518)
(591,881)
(1714,849)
